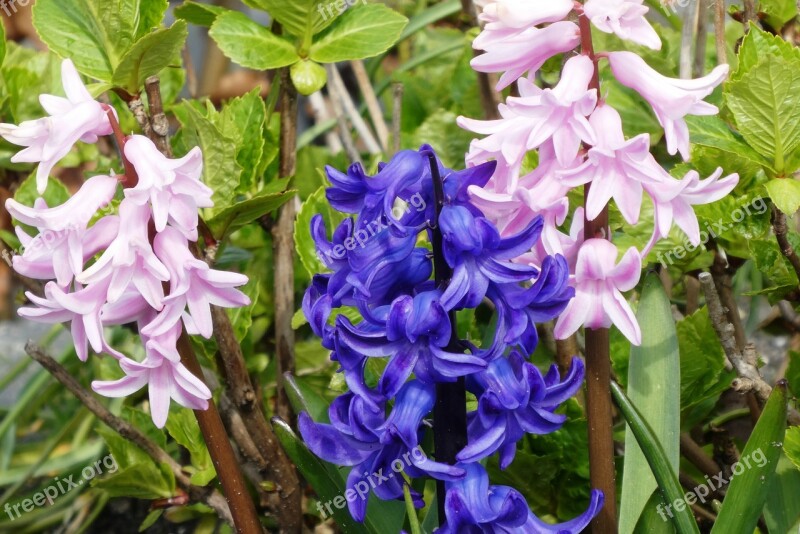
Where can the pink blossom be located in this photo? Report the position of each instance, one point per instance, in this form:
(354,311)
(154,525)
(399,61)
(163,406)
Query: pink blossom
(164,374)
(130,259)
(194,285)
(81,308)
(171,186)
(625,18)
(48,140)
(599,282)
(615,167)
(539,115)
(64,244)
(510,15)
(674,202)
(523,52)
(672,99)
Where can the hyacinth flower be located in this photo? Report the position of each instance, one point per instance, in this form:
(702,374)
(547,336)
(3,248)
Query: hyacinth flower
(364,438)
(473,506)
(76,118)
(407,319)
(671,99)
(514,400)
(625,18)
(113,271)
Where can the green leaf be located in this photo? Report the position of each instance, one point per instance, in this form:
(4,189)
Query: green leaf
(318,474)
(744,500)
(149,56)
(199,14)
(95,34)
(778,12)
(242,119)
(654,387)
(713,132)
(782,507)
(242,213)
(769,260)
(757,44)
(785,193)
(184,429)
(660,463)
(142,481)
(151,519)
(359,33)
(791,445)
(765,103)
(305,399)
(249,44)
(221,172)
(308,77)
(55,194)
(301,18)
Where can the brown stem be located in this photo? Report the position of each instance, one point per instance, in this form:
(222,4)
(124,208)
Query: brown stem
(719,31)
(131,178)
(208,496)
(695,454)
(373,105)
(781,229)
(243,510)
(283,248)
(599,411)
(158,119)
(245,403)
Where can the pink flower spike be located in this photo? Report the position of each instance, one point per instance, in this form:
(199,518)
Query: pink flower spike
(524,52)
(82,308)
(75,118)
(671,205)
(502,15)
(130,260)
(599,282)
(171,186)
(671,99)
(164,375)
(64,244)
(539,115)
(194,285)
(625,19)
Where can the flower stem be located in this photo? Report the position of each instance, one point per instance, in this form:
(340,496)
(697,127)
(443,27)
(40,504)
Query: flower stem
(450,411)
(599,413)
(413,519)
(131,178)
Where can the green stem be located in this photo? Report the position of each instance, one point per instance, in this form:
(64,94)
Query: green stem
(413,518)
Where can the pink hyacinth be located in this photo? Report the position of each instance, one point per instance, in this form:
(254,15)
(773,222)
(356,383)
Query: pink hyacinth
(539,115)
(164,374)
(194,285)
(171,186)
(599,282)
(625,19)
(671,99)
(75,118)
(64,243)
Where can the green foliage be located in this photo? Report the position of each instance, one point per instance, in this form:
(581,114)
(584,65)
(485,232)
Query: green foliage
(654,387)
(308,77)
(359,33)
(744,501)
(149,56)
(199,13)
(183,428)
(303,18)
(249,44)
(791,445)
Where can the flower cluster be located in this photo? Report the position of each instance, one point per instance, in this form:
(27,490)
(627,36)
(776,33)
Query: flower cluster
(114,261)
(580,142)
(405,321)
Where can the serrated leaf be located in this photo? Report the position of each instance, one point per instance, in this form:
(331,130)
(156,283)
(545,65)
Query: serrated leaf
(242,119)
(221,171)
(184,429)
(244,212)
(359,33)
(148,56)
(756,44)
(301,18)
(654,387)
(713,132)
(778,12)
(250,44)
(769,260)
(765,103)
(744,500)
(95,34)
(198,13)
(785,194)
